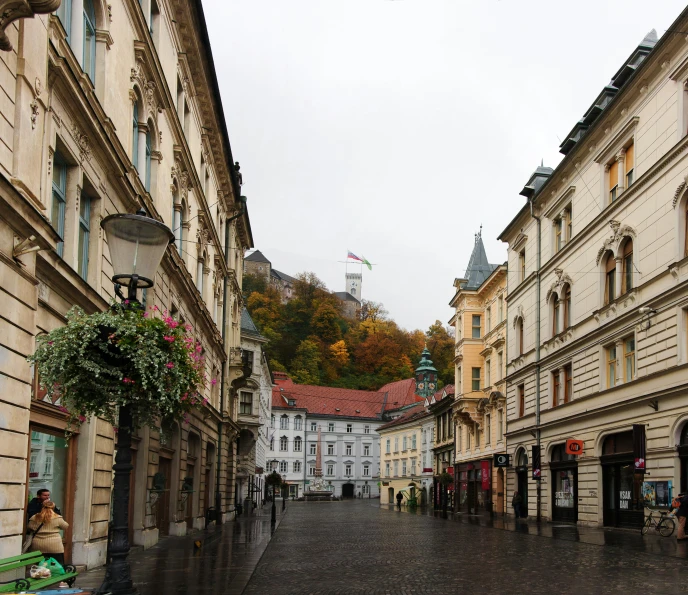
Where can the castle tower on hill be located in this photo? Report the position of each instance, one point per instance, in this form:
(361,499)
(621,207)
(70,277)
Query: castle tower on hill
(354,284)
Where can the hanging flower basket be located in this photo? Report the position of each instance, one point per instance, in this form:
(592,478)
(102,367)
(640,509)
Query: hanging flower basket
(274,479)
(446,478)
(99,362)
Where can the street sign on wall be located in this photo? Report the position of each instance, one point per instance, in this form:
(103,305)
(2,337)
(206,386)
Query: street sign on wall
(502,460)
(574,447)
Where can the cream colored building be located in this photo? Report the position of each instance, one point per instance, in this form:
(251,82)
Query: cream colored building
(597,301)
(107,107)
(480,371)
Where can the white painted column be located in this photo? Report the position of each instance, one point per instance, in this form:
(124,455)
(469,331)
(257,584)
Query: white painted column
(619,276)
(621,160)
(141,157)
(76,35)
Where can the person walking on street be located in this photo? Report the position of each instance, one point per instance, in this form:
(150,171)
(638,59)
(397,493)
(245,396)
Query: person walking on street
(516,502)
(682,514)
(46,526)
(399,499)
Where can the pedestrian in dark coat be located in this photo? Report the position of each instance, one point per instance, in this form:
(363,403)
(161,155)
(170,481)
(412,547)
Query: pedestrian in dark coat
(516,502)
(682,514)
(400,497)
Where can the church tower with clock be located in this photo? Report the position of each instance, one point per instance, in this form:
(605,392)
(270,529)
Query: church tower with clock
(354,283)
(426,376)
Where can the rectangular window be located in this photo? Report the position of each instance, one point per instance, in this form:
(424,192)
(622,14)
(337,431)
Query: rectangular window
(284,444)
(298,422)
(297,444)
(366,450)
(413,442)
(349,428)
(283,466)
(366,429)
(388,446)
(613,181)
(349,449)
(312,448)
(64,13)
(89,53)
(330,427)
(48,469)
(610,280)
(568,223)
(500,308)
(57,217)
(611,367)
(403,468)
(396,444)
(488,373)
(347,470)
(387,469)
(33,465)
(500,425)
(311,470)
(459,441)
(555,317)
(366,470)
(558,234)
(284,423)
(330,469)
(330,449)
(475,325)
(568,383)
(521,395)
(403,443)
(522,264)
(475,379)
(314,427)
(488,429)
(297,466)
(556,388)
(84,235)
(627,278)
(488,320)
(245,403)
(477,436)
(629,359)
(500,364)
(630,165)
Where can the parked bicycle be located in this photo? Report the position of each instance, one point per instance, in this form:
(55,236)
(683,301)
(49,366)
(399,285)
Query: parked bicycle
(663,524)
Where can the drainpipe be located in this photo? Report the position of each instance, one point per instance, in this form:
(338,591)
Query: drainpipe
(225,292)
(537,353)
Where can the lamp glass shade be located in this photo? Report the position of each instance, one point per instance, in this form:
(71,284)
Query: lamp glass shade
(137,245)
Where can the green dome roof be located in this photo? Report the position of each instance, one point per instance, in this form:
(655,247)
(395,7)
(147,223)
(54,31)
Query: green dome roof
(425,364)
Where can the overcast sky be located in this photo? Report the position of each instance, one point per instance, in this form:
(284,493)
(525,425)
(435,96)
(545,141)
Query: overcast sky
(395,128)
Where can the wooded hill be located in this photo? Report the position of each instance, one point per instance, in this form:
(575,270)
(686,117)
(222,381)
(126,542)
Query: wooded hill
(310,338)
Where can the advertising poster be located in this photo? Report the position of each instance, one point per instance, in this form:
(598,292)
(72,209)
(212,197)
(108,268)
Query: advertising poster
(657,494)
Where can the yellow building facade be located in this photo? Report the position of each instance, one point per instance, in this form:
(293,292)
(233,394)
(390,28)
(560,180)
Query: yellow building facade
(479,411)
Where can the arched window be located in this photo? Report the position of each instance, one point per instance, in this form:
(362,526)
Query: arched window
(89,61)
(147,181)
(200,269)
(519,335)
(627,263)
(559,454)
(566,299)
(609,278)
(135,134)
(284,422)
(522,458)
(272,421)
(298,423)
(555,310)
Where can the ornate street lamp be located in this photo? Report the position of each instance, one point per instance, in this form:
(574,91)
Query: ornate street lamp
(137,244)
(273,480)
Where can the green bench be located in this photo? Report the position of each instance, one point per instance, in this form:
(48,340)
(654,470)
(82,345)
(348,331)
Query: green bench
(31,584)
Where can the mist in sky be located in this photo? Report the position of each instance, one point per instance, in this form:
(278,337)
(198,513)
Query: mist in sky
(394,129)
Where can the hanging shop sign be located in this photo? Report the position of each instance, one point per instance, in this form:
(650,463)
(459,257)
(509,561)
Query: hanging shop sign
(537,471)
(502,460)
(639,445)
(259,471)
(485,468)
(574,447)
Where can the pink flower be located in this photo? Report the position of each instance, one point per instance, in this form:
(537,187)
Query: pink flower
(51,342)
(188,327)
(213,381)
(169,365)
(198,348)
(115,429)
(82,419)
(171,322)
(205,401)
(169,338)
(156,309)
(145,314)
(126,302)
(63,409)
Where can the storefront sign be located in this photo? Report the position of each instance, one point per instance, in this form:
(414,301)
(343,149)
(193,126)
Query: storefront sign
(385,483)
(502,460)
(574,447)
(639,447)
(624,499)
(259,471)
(537,472)
(427,469)
(485,468)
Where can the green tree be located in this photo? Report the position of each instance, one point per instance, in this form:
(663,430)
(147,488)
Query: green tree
(305,365)
(253,283)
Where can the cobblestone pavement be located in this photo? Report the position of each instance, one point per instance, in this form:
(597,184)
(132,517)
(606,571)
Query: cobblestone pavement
(356,547)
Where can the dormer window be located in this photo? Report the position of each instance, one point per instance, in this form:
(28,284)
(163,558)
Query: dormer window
(292,402)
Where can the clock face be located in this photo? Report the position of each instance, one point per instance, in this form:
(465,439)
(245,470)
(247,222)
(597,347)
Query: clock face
(421,385)
(431,385)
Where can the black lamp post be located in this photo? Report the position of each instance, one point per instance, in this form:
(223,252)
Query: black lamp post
(137,244)
(273,511)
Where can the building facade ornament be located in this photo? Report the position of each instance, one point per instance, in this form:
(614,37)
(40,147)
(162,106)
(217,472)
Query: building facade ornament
(83,142)
(11,10)
(612,243)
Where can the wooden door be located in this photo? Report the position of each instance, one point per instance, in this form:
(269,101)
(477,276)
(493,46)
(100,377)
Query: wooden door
(162,510)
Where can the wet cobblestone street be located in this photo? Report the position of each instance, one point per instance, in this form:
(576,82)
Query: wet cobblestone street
(357,547)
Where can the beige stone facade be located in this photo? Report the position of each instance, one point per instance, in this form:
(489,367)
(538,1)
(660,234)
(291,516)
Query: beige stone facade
(113,107)
(603,321)
(480,404)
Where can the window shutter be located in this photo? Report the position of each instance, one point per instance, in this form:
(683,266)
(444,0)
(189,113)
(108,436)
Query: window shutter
(613,174)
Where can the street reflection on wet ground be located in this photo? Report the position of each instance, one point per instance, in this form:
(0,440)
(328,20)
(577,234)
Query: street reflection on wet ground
(223,564)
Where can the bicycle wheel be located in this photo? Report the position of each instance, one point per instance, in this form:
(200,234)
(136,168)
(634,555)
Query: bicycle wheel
(646,526)
(666,527)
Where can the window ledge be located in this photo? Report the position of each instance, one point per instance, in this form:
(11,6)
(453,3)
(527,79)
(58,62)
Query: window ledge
(610,311)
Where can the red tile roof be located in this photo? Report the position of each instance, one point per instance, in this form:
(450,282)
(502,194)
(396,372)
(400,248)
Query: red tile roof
(345,402)
(413,413)
(449,389)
